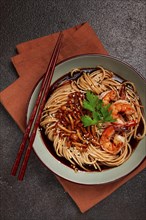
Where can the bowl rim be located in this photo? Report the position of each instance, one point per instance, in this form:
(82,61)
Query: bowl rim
(67,59)
(103,55)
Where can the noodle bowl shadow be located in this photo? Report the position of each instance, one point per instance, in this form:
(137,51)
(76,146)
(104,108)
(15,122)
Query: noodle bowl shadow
(83,177)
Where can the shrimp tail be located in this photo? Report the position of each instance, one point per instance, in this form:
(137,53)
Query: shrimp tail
(124,126)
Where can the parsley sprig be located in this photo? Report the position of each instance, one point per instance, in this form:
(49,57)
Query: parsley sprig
(99,112)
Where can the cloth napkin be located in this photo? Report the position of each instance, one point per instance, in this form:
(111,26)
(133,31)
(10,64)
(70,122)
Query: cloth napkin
(31,64)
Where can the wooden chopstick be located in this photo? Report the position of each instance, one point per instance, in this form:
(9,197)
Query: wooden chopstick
(36,114)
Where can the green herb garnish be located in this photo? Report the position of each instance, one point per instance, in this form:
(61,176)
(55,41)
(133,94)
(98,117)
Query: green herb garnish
(100,113)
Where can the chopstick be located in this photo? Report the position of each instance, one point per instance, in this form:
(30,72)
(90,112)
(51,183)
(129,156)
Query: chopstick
(34,120)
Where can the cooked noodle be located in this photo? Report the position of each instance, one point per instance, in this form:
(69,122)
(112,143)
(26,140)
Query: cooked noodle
(86,147)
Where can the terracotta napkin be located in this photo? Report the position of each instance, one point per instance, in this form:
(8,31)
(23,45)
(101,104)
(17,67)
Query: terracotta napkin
(31,64)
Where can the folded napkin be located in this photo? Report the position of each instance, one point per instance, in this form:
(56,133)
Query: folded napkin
(31,64)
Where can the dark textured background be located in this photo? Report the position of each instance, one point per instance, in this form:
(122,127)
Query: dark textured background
(121,26)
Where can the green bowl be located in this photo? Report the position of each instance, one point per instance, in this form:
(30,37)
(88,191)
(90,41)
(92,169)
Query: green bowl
(123,70)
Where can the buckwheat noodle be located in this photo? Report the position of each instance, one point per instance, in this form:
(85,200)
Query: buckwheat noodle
(82,146)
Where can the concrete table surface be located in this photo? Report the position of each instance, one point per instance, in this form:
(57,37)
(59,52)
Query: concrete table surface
(121,27)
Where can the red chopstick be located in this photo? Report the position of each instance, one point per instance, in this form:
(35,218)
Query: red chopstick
(36,113)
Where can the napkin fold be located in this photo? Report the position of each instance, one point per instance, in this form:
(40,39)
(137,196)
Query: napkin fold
(31,63)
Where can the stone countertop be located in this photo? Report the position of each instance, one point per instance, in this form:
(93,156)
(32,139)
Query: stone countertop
(121,27)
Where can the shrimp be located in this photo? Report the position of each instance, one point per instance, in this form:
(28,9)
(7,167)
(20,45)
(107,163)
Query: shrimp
(121,106)
(111,142)
(108,96)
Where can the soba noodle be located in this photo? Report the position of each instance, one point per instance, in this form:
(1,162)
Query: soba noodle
(93,147)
